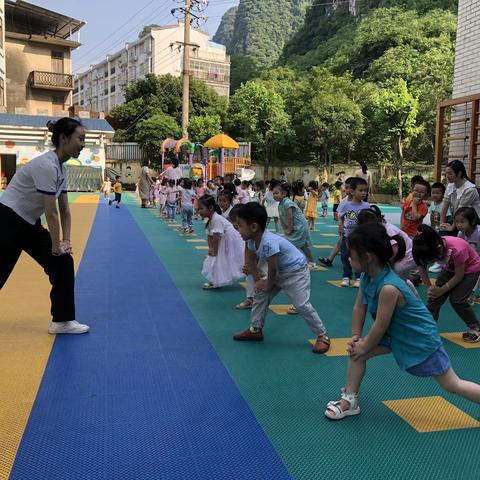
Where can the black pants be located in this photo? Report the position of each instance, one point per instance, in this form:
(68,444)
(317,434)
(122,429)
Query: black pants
(16,236)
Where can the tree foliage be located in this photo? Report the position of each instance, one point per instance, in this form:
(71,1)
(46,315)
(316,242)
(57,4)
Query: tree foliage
(154,95)
(153,131)
(202,128)
(336,71)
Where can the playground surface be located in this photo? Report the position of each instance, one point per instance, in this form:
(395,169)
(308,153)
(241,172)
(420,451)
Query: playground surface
(159,390)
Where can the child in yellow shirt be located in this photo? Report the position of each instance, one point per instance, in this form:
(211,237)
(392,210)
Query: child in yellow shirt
(117,189)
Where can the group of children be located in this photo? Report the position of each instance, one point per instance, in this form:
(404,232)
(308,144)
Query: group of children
(382,257)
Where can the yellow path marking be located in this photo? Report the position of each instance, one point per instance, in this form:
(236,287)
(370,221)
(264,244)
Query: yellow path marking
(329,235)
(323,246)
(338,347)
(431,414)
(25,344)
(280,309)
(188,234)
(243,284)
(202,247)
(456,337)
(318,268)
(87,199)
(337,283)
(173,224)
(196,240)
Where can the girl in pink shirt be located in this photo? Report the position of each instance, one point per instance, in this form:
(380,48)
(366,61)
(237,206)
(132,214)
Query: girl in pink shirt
(200,192)
(457,280)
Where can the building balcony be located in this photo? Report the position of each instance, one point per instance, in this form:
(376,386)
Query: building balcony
(51,81)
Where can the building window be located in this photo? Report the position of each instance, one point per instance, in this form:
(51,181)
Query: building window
(105,92)
(112,88)
(112,70)
(57,61)
(105,73)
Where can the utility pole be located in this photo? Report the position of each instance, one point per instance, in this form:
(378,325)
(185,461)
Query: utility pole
(186,69)
(189,18)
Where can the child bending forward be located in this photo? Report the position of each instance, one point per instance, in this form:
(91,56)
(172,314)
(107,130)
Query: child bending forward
(226,249)
(402,325)
(287,272)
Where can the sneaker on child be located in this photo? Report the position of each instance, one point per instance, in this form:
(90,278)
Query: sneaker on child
(345,282)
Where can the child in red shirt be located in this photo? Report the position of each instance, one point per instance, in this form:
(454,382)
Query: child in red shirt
(415,210)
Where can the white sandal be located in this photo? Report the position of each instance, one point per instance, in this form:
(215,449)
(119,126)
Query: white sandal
(335,412)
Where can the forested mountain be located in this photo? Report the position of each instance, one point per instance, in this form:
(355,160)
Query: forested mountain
(261,28)
(224,34)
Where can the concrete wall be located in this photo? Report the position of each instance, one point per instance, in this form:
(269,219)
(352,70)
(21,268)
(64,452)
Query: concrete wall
(23,57)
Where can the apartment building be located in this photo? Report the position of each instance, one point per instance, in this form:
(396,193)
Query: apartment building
(38,45)
(3,81)
(102,86)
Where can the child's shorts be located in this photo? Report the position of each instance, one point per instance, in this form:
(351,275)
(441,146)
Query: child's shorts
(118,197)
(335,207)
(436,364)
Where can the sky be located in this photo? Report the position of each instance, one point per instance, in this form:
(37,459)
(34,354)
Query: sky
(111,23)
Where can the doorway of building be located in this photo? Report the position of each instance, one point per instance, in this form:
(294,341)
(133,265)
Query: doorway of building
(8,167)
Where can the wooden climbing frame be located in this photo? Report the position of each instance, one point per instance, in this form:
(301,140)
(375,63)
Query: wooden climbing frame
(457,134)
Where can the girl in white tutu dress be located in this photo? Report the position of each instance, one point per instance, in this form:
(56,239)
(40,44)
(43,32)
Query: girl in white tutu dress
(226,248)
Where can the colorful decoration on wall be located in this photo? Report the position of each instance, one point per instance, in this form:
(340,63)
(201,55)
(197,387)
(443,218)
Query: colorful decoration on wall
(95,158)
(9,144)
(23,160)
(39,147)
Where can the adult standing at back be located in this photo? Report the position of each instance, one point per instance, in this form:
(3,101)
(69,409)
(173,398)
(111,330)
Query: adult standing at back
(145,184)
(364,173)
(35,190)
(461,192)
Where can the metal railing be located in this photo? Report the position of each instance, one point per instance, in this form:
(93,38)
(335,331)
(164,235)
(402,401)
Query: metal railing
(52,81)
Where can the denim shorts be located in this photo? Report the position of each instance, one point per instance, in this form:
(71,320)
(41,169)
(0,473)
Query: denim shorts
(436,364)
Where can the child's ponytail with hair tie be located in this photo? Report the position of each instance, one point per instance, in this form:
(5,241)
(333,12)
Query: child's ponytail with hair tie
(428,246)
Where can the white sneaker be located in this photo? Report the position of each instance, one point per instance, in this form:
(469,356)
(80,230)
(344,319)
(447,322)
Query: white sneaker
(356,284)
(345,282)
(435,268)
(67,327)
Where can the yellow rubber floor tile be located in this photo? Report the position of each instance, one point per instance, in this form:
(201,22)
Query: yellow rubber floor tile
(319,268)
(202,247)
(431,414)
(25,345)
(323,246)
(173,224)
(196,240)
(456,337)
(329,234)
(87,199)
(280,309)
(337,283)
(188,234)
(338,347)
(243,284)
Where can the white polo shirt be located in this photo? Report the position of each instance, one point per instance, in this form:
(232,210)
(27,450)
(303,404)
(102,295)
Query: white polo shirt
(41,176)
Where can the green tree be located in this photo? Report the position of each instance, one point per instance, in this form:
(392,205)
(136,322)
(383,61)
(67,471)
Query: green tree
(257,114)
(156,94)
(397,109)
(153,131)
(205,127)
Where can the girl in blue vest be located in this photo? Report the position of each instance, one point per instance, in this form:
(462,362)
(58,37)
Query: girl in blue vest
(402,325)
